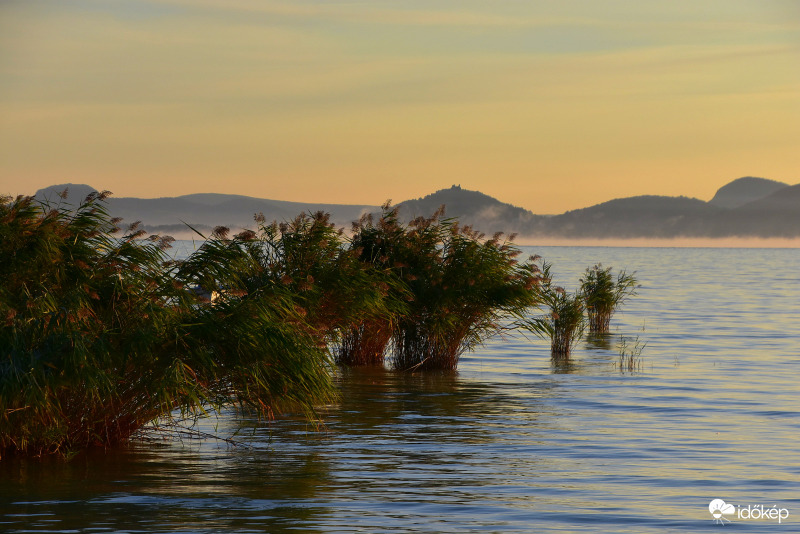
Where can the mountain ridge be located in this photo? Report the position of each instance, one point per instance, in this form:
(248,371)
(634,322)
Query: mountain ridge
(745,207)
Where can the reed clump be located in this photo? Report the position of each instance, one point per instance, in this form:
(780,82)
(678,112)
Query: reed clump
(457,286)
(343,300)
(311,259)
(366,343)
(101,334)
(603,293)
(563,322)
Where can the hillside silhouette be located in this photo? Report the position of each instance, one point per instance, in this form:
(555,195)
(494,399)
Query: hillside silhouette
(204,211)
(640,216)
(745,207)
(745,190)
(473,208)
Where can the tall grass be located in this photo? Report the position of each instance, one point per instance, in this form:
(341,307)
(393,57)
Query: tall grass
(458,286)
(310,259)
(603,293)
(563,322)
(366,343)
(630,354)
(100,333)
(343,300)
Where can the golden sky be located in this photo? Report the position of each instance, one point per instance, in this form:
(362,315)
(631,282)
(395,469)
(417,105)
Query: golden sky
(547,105)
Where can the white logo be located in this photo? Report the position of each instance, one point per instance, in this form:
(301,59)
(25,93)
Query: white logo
(719,509)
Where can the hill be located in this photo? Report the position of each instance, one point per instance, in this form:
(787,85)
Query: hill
(205,210)
(776,215)
(474,208)
(75,192)
(745,190)
(747,207)
(785,200)
(640,216)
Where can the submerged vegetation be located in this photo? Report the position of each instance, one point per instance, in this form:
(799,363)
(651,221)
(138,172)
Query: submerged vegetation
(630,354)
(102,332)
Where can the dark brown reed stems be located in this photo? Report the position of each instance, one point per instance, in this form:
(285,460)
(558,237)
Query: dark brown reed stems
(365,344)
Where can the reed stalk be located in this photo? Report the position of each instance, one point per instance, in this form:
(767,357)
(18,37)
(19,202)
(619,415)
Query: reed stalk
(365,344)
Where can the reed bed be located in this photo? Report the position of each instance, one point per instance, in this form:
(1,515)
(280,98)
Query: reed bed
(103,334)
(346,302)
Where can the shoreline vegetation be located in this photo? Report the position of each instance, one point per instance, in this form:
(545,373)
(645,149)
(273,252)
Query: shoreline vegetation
(103,333)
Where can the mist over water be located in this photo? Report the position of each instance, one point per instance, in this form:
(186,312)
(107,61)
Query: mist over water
(649,242)
(509,443)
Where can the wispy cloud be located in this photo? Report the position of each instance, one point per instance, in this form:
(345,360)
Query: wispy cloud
(524,92)
(402,14)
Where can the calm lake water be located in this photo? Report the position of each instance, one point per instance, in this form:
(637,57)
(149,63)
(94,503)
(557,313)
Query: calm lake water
(510,443)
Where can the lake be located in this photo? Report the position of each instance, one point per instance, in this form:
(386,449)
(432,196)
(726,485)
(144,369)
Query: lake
(512,442)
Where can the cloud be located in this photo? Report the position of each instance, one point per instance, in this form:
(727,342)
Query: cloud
(394,14)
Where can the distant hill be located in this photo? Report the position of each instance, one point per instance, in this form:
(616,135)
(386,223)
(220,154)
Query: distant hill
(75,192)
(648,216)
(745,190)
(474,208)
(776,215)
(641,216)
(785,200)
(747,207)
(205,210)
(229,210)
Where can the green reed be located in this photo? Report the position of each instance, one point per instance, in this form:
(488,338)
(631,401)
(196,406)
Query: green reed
(563,322)
(102,334)
(458,287)
(603,293)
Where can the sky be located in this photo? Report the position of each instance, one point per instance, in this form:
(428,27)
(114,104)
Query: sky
(549,106)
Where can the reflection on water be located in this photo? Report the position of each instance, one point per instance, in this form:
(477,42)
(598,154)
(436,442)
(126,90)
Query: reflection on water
(600,341)
(512,442)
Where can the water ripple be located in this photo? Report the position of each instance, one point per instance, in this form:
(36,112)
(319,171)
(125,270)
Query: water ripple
(510,443)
